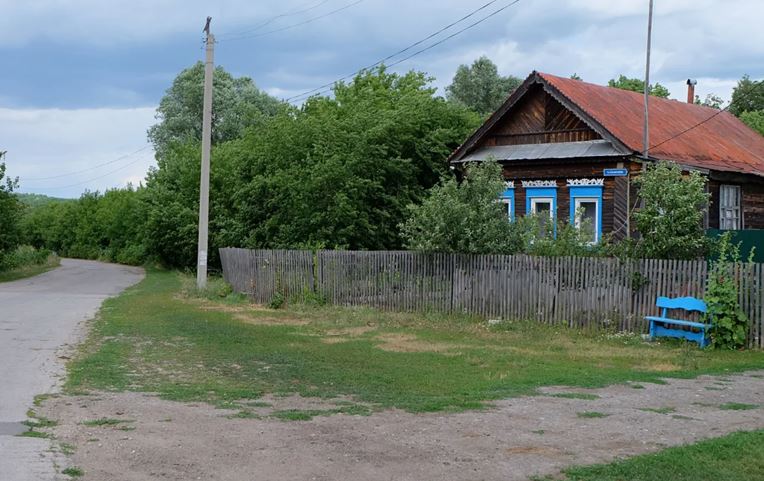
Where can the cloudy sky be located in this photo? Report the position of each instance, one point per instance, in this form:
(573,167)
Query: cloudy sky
(83,77)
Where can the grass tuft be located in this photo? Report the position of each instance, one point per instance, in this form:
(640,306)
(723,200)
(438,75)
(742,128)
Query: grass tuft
(592,414)
(738,406)
(663,410)
(73,471)
(106,422)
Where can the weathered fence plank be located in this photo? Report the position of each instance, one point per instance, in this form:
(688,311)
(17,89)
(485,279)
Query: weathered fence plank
(575,291)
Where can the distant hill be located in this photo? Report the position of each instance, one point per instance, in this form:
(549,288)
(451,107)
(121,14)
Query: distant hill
(36,200)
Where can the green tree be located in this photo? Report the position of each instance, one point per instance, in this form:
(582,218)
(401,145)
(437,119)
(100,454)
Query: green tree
(754,119)
(711,100)
(638,85)
(730,323)
(464,217)
(480,87)
(671,220)
(747,96)
(10,214)
(237,104)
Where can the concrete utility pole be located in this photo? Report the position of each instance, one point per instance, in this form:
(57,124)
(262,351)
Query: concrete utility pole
(646,144)
(204,184)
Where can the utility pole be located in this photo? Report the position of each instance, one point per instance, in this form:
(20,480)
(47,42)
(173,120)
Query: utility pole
(204,184)
(646,140)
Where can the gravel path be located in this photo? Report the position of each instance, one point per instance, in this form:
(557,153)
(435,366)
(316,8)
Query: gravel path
(515,439)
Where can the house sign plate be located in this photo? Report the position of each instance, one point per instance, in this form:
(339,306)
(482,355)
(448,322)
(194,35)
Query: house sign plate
(615,172)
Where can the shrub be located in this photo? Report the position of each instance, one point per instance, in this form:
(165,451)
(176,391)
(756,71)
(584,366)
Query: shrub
(730,323)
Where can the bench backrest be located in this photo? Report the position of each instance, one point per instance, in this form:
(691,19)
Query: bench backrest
(686,303)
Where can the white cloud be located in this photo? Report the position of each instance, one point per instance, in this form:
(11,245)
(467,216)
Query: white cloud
(45,143)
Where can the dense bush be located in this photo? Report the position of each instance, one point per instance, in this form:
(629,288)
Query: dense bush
(10,214)
(730,323)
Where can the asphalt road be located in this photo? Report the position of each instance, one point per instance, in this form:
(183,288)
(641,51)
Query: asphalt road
(39,318)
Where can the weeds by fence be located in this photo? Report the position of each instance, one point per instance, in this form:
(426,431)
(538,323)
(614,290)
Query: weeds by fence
(577,291)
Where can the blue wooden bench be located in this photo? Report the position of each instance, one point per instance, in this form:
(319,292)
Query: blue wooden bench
(660,326)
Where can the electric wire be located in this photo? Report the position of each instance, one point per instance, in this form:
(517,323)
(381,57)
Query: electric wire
(274,18)
(327,87)
(93,167)
(294,25)
(89,180)
(404,50)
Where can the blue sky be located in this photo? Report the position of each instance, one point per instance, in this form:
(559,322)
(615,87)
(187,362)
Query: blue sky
(85,76)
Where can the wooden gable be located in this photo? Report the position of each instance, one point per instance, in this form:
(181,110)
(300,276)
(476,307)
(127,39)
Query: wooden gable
(537,118)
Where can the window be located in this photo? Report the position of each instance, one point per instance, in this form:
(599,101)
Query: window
(586,207)
(541,199)
(729,207)
(586,217)
(507,206)
(507,200)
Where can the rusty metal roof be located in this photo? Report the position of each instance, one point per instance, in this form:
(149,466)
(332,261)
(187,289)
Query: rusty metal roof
(720,142)
(562,150)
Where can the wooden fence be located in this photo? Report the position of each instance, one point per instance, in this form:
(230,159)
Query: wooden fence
(577,291)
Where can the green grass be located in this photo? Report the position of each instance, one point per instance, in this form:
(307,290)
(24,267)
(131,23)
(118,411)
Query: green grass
(29,270)
(73,471)
(738,406)
(736,457)
(34,434)
(576,395)
(106,422)
(151,339)
(592,415)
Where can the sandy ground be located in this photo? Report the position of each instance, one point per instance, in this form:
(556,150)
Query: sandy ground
(515,439)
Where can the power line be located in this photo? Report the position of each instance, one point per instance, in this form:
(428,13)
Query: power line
(415,44)
(92,167)
(719,112)
(294,25)
(89,180)
(274,18)
(328,86)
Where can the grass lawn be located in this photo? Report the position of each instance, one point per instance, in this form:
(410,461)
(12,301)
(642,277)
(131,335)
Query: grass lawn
(737,457)
(29,270)
(153,339)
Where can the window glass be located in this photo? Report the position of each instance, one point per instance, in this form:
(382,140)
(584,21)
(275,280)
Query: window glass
(542,207)
(507,205)
(586,217)
(729,207)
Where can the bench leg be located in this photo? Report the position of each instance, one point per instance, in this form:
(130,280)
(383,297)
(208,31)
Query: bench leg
(652,330)
(704,342)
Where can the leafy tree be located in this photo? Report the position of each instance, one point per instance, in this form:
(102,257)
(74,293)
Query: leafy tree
(10,213)
(754,119)
(237,104)
(463,218)
(638,85)
(340,171)
(711,100)
(671,220)
(747,96)
(575,76)
(480,87)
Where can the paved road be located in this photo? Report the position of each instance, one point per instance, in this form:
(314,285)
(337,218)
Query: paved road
(38,317)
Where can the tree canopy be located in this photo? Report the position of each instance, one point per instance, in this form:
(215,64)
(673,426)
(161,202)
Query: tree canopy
(479,87)
(638,85)
(747,96)
(237,104)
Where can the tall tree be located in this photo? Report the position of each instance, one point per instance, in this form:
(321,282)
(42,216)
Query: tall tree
(638,85)
(479,87)
(747,96)
(10,212)
(237,104)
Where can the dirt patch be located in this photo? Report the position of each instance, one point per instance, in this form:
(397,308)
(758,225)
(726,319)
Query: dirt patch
(399,342)
(250,313)
(516,439)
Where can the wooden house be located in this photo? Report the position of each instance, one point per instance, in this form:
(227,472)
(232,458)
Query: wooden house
(566,145)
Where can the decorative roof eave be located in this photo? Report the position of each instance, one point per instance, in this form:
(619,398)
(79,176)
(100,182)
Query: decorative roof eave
(514,97)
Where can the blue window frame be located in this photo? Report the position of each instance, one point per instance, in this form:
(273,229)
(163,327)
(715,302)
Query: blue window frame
(508,200)
(542,200)
(587,199)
